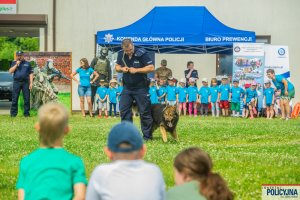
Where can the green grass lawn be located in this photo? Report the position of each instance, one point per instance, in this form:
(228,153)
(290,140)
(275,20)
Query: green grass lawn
(247,153)
(64,98)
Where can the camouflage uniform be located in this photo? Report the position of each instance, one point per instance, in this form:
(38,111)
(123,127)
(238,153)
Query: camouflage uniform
(42,91)
(163,73)
(102,66)
(48,70)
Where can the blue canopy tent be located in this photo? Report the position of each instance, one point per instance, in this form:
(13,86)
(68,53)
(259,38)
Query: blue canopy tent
(178,29)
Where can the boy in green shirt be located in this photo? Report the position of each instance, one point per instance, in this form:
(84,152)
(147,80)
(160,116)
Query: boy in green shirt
(51,172)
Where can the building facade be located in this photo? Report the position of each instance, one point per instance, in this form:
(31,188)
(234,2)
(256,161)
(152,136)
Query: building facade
(73,24)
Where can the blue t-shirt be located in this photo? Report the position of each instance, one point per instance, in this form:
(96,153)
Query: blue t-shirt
(236,93)
(23,71)
(120,89)
(161,91)
(214,91)
(192,92)
(269,93)
(250,94)
(204,93)
(224,90)
(279,85)
(102,92)
(153,95)
(182,92)
(171,93)
(112,94)
(85,76)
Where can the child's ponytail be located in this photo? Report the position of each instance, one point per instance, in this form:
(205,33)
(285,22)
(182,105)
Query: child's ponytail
(196,164)
(215,188)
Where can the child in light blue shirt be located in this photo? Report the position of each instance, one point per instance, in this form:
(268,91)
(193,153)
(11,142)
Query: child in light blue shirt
(214,92)
(192,97)
(204,93)
(236,94)
(269,99)
(153,92)
(162,92)
(171,93)
(101,98)
(250,100)
(182,96)
(51,172)
(112,97)
(224,90)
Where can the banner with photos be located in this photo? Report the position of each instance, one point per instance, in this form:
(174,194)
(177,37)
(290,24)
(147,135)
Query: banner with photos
(248,66)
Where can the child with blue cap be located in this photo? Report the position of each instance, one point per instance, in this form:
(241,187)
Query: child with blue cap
(128,176)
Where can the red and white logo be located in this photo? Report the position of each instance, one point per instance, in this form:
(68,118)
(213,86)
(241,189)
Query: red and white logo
(8,6)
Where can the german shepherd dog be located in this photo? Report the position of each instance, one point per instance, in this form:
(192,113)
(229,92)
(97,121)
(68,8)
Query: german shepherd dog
(166,118)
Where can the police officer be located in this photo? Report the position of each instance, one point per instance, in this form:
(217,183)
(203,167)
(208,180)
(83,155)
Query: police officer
(135,63)
(23,77)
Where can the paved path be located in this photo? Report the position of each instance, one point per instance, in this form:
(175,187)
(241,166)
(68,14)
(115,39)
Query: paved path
(4,107)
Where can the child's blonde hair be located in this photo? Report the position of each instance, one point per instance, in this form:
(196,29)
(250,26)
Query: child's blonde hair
(53,119)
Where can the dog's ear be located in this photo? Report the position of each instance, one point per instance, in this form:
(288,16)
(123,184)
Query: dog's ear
(176,110)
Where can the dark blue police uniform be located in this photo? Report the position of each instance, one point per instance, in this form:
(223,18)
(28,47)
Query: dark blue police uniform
(136,87)
(21,82)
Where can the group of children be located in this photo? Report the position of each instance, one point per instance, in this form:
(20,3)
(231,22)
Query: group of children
(214,96)
(110,95)
(188,98)
(51,172)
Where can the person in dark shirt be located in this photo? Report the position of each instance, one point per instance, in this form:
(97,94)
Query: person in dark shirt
(191,72)
(23,77)
(135,63)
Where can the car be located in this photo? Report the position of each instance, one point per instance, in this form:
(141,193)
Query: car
(6,86)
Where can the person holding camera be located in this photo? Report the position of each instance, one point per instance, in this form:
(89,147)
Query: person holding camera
(23,77)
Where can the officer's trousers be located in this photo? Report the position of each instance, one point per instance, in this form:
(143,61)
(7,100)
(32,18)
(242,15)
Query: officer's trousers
(17,87)
(144,107)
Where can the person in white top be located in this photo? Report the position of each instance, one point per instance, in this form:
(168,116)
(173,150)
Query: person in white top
(128,176)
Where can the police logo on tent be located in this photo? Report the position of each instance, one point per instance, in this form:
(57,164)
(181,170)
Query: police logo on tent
(281,51)
(108,38)
(237,49)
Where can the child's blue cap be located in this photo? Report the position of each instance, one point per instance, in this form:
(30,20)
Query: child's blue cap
(236,80)
(124,132)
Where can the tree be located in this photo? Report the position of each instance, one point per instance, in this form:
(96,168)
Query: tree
(8,46)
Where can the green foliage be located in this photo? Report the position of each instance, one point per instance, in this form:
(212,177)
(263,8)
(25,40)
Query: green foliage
(247,153)
(8,46)
(27,44)
(7,49)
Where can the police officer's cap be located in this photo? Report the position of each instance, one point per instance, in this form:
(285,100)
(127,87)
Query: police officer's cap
(19,52)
